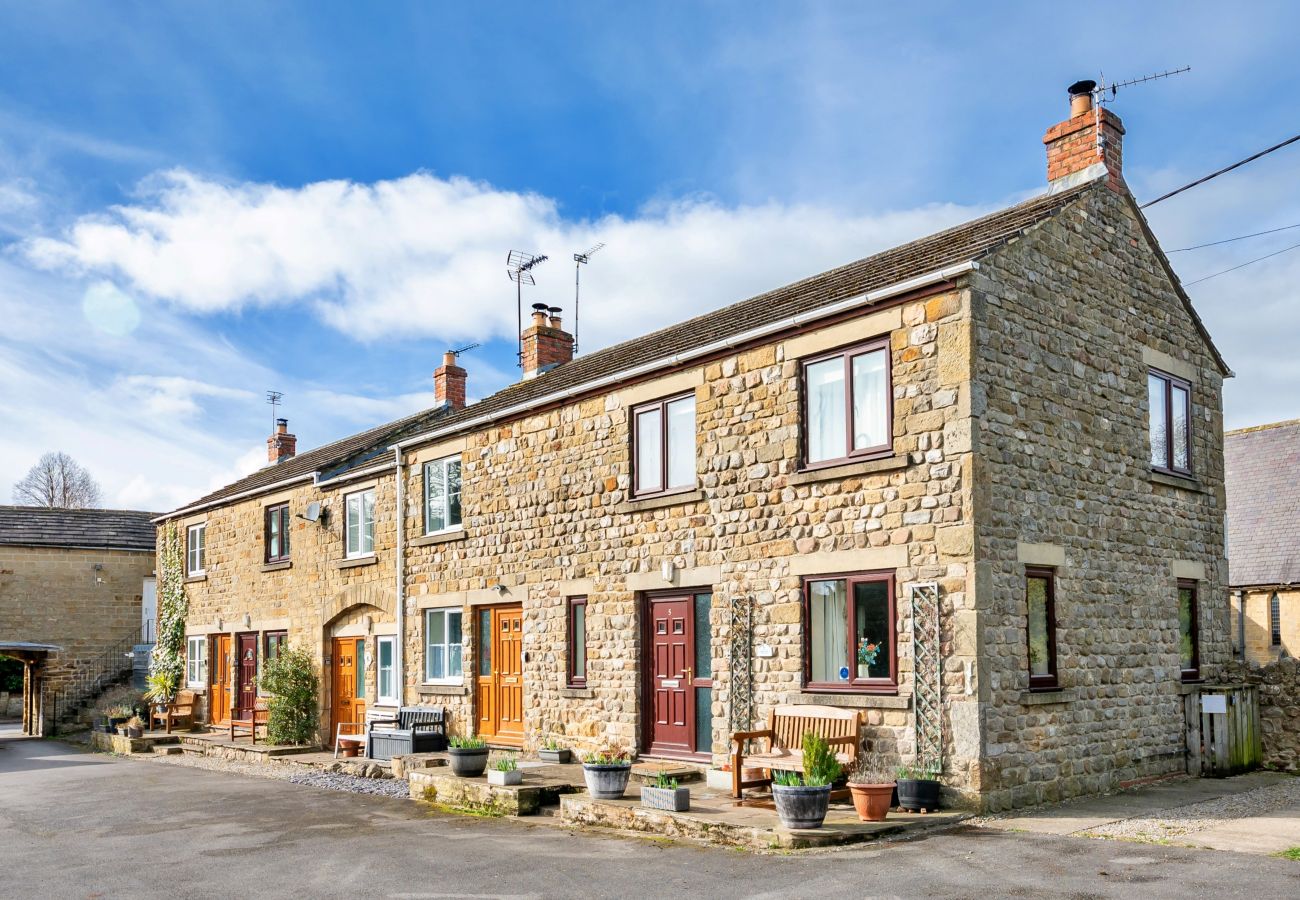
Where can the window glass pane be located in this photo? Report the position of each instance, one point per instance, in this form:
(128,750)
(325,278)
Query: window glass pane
(579,640)
(873,632)
(1039,647)
(368,521)
(361,670)
(681,442)
(1159,431)
(1179,436)
(454,648)
(870,401)
(703,636)
(435,497)
(485,642)
(453,492)
(826,636)
(433,639)
(353,515)
(284,531)
(703,720)
(826,428)
(1186,610)
(273,533)
(385,668)
(649,463)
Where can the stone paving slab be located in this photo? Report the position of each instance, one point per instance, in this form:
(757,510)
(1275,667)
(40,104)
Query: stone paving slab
(1272,833)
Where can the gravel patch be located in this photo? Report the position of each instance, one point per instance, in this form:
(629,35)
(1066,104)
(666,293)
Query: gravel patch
(1181,820)
(295,774)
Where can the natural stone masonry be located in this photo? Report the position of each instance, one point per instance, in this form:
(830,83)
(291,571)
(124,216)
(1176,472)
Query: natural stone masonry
(1278,688)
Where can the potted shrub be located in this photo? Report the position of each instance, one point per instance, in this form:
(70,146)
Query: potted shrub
(505,771)
(118,716)
(665,794)
(606,773)
(552,752)
(918,787)
(872,788)
(469,756)
(135,727)
(803,798)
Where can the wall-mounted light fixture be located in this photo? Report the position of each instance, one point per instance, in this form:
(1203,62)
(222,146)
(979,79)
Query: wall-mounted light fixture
(248,620)
(668,569)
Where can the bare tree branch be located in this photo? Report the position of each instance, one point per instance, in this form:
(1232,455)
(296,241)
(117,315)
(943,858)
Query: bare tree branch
(58,480)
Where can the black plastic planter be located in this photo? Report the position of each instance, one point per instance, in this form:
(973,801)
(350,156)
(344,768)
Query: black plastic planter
(918,794)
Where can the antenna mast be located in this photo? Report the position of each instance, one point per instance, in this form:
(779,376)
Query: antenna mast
(274,398)
(579,260)
(519,266)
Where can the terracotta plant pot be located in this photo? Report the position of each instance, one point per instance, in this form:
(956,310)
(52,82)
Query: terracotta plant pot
(872,800)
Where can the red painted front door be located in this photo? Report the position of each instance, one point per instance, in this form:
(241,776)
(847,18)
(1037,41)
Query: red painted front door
(246,667)
(672,668)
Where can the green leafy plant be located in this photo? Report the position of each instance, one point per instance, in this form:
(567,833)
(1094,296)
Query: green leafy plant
(918,772)
(120,711)
(168,652)
(294,704)
(551,744)
(162,686)
(468,742)
(607,758)
(664,782)
(785,778)
(506,763)
(819,763)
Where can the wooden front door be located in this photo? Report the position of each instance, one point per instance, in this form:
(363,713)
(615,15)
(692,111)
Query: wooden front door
(349,683)
(219,706)
(677,714)
(500,687)
(246,668)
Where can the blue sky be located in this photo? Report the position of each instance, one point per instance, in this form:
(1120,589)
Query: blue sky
(200,202)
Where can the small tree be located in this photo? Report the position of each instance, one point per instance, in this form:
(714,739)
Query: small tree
(290,679)
(58,480)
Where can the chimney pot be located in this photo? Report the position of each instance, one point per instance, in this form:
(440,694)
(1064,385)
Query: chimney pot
(281,445)
(1081,97)
(545,342)
(1091,136)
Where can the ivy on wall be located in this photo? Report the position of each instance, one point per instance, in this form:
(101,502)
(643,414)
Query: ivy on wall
(167,659)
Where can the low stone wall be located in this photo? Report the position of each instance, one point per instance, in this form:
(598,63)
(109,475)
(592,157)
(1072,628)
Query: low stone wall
(11,705)
(1279,709)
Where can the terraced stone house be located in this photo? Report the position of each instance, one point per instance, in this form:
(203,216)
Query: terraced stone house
(971,487)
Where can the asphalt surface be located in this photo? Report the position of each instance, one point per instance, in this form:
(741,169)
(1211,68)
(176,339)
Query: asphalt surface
(81,825)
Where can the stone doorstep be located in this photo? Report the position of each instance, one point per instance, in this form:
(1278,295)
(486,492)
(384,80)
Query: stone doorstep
(647,772)
(542,786)
(720,820)
(120,744)
(208,745)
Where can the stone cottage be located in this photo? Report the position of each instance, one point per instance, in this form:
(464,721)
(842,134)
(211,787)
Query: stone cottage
(971,487)
(1264,540)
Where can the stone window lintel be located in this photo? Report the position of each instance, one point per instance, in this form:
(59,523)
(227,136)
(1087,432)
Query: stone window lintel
(1042,698)
(278,566)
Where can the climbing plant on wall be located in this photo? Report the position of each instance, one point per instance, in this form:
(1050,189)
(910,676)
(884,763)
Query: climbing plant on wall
(167,663)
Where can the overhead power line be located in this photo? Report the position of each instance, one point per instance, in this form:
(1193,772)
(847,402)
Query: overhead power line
(1231,239)
(1242,266)
(1236,165)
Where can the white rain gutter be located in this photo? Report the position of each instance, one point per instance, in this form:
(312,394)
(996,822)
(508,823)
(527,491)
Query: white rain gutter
(744,337)
(399,653)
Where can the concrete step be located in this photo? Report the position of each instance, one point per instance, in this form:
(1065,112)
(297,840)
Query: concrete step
(168,749)
(647,772)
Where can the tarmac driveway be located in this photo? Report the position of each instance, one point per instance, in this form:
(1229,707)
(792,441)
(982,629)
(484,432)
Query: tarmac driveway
(74,824)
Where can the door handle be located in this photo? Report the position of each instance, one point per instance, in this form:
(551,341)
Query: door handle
(688,672)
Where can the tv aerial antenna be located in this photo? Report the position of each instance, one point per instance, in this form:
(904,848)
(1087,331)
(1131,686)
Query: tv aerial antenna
(1102,88)
(580,260)
(465,349)
(519,266)
(274,398)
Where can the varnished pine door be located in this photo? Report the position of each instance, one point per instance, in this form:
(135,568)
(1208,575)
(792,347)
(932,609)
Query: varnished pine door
(499,691)
(348,685)
(219,704)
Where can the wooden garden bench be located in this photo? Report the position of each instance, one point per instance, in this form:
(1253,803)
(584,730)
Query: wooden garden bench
(180,709)
(259,719)
(786,726)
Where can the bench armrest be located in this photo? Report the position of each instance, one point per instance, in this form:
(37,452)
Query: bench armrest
(740,736)
(371,723)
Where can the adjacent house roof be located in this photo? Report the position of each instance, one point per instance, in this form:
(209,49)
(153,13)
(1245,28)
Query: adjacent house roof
(1261,465)
(98,529)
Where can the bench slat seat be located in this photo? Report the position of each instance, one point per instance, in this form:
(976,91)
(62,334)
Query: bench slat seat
(786,726)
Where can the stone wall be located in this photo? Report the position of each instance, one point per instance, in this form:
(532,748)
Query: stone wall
(1063,346)
(1278,686)
(57,596)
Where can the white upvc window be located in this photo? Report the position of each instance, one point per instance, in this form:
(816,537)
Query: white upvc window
(196,653)
(359,524)
(196,539)
(443,648)
(442,495)
(386,670)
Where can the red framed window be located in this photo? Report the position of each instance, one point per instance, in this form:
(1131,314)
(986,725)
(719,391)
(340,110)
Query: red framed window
(663,446)
(847,404)
(1189,631)
(577,641)
(1040,603)
(1169,401)
(277,533)
(850,633)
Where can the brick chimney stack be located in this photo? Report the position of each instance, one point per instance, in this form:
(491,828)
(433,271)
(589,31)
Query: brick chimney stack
(449,383)
(1073,147)
(546,343)
(281,445)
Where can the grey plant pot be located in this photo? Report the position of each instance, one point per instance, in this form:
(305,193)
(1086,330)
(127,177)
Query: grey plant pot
(496,776)
(560,757)
(606,782)
(802,807)
(671,799)
(468,763)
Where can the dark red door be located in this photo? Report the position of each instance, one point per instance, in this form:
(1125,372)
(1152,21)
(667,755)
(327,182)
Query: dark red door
(247,669)
(672,667)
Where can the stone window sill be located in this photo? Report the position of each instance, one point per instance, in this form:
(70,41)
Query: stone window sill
(1043,698)
(441,690)
(195,579)
(570,693)
(853,701)
(869,467)
(441,537)
(278,566)
(355,563)
(1182,482)
(628,506)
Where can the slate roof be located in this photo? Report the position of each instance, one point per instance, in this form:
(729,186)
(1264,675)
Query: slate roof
(100,529)
(1262,471)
